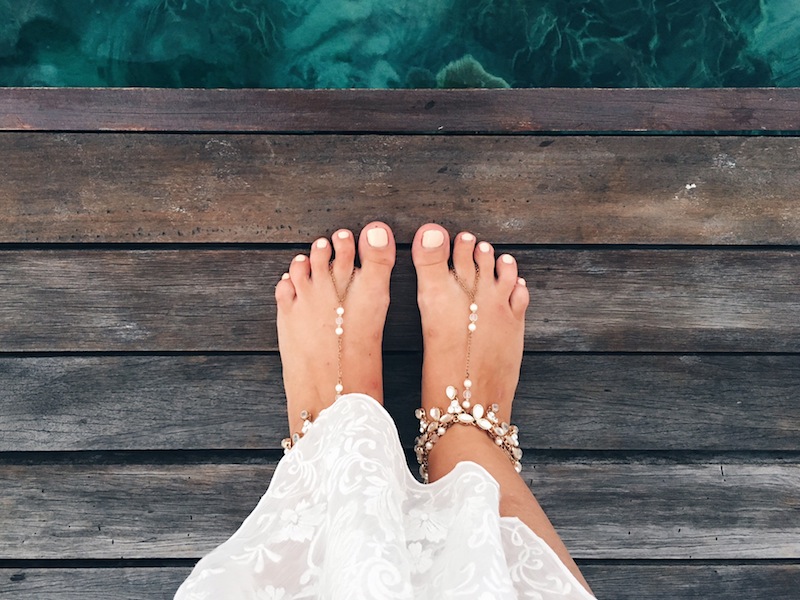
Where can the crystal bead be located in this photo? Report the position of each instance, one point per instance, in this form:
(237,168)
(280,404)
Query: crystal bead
(473,307)
(484,424)
(339,331)
(473,317)
(495,408)
(304,414)
(498,431)
(465,418)
(419,413)
(295,438)
(433,426)
(477,411)
(286,443)
(339,320)
(340,310)
(505,426)
(467,394)
(451,392)
(471,327)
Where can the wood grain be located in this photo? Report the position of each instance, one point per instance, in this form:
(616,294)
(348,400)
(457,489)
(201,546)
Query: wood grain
(513,190)
(602,508)
(620,581)
(205,300)
(617,402)
(444,111)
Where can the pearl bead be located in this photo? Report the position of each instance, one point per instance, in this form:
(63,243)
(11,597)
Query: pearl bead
(339,331)
(467,383)
(473,307)
(339,388)
(340,310)
(472,327)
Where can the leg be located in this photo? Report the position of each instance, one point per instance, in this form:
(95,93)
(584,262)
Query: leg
(307,298)
(496,357)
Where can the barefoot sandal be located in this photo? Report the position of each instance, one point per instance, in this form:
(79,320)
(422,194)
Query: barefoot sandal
(434,425)
(289,442)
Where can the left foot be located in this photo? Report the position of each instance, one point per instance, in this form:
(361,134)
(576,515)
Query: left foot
(307,299)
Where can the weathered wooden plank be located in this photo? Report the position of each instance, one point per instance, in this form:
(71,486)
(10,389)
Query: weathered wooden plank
(603,509)
(131,583)
(617,402)
(693,582)
(620,581)
(514,190)
(446,111)
(616,300)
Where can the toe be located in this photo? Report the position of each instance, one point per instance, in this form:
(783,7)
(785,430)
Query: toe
(344,259)
(506,268)
(299,272)
(520,297)
(484,257)
(320,257)
(284,292)
(430,251)
(463,261)
(376,249)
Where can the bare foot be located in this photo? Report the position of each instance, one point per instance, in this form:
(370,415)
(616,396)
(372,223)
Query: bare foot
(307,300)
(501,299)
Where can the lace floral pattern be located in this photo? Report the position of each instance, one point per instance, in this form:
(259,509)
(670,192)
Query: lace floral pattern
(343,518)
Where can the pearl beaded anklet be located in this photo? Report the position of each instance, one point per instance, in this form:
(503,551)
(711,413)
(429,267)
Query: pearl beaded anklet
(289,442)
(435,424)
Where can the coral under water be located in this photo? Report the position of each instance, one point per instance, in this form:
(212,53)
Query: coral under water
(403,43)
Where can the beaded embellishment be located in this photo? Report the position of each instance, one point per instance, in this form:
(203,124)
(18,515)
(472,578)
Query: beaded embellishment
(289,442)
(462,411)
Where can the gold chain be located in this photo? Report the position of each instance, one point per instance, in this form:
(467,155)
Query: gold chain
(473,308)
(339,322)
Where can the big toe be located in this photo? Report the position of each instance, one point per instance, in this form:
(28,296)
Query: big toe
(430,251)
(376,250)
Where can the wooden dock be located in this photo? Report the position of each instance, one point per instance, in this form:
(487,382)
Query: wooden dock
(142,233)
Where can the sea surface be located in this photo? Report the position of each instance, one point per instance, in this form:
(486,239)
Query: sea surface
(400,43)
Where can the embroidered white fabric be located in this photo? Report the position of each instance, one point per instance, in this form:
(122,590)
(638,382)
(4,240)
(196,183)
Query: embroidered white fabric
(343,518)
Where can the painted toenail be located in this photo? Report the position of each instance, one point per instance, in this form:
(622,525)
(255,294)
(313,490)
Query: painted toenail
(377,237)
(484,247)
(433,238)
(322,243)
(343,235)
(521,281)
(506,258)
(285,276)
(467,237)
(300,257)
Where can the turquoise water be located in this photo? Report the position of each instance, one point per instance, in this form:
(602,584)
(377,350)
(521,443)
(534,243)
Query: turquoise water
(400,43)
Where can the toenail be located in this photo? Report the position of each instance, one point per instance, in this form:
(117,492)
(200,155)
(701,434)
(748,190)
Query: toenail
(433,238)
(300,257)
(322,243)
(377,237)
(285,276)
(467,237)
(507,258)
(484,247)
(343,235)
(521,281)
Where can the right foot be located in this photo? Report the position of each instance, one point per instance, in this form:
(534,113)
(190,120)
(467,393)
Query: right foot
(496,347)
(307,301)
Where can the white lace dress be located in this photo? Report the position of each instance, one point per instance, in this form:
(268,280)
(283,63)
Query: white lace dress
(343,518)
